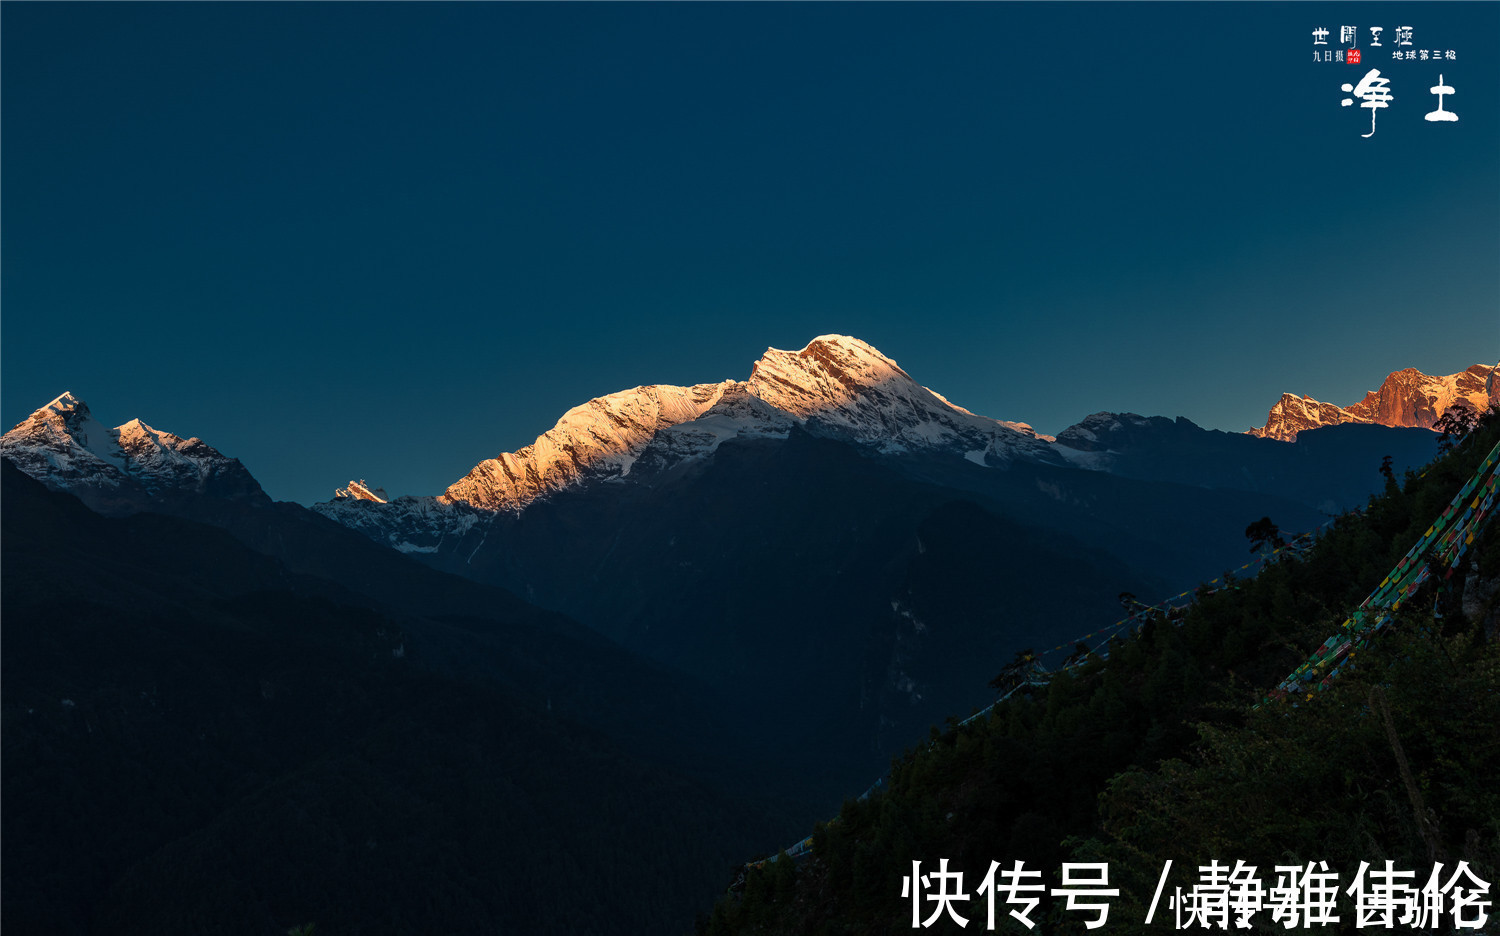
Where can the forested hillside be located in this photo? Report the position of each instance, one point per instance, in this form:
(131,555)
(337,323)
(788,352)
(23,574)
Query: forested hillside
(1159,752)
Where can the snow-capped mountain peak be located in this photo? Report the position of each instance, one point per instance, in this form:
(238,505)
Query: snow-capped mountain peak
(361,490)
(848,389)
(65,403)
(65,441)
(828,372)
(836,386)
(67,420)
(64,446)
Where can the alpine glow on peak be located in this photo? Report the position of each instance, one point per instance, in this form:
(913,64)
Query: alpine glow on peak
(836,386)
(1406,397)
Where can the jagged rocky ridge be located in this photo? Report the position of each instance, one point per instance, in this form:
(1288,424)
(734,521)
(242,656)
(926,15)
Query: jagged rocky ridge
(757,505)
(836,387)
(118,469)
(841,388)
(1407,398)
(1322,469)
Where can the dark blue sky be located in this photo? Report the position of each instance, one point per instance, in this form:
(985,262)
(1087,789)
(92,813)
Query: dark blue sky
(390,240)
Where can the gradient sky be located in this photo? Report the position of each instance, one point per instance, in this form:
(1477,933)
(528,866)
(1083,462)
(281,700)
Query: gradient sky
(390,240)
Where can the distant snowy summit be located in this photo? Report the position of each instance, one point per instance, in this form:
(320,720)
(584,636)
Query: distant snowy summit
(66,448)
(361,490)
(1407,398)
(837,387)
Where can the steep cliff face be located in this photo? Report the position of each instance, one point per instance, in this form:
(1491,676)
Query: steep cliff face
(1292,414)
(1406,398)
(1411,398)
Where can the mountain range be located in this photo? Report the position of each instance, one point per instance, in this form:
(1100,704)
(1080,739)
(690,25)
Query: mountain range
(841,388)
(1406,398)
(126,467)
(763,587)
(828,523)
(836,387)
